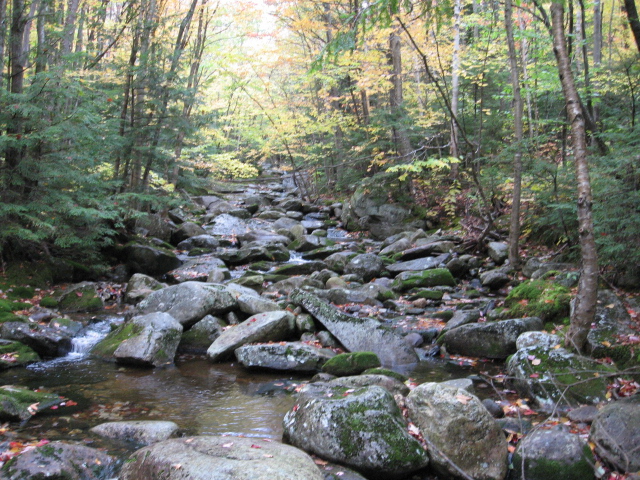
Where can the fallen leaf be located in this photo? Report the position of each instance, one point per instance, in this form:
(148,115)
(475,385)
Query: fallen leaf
(267,455)
(255,446)
(319,461)
(463,399)
(537,361)
(227,445)
(534,375)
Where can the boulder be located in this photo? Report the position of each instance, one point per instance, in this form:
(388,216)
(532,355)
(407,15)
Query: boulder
(426,278)
(489,339)
(219,458)
(205,241)
(498,251)
(151,340)
(58,461)
(185,231)
(200,337)
(44,340)
(264,327)
(307,243)
(16,354)
(144,432)
(538,339)
(227,225)
(458,429)
(616,434)
(338,261)
(81,297)
(390,384)
(547,454)
(461,317)
(362,428)
(150,260)
(305,268)
(293,356)
(189,302)
(154,226)
(346,364)
(424,263)
(20,403)
(494,279)
(366,265)
(550,376)
(254,253)
(358,334)
(196,269)
(140,287)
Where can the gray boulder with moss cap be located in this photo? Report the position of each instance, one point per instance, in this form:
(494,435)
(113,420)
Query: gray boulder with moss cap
(362,428)
(155,343)
(459,431)
(358,334)
(219,458)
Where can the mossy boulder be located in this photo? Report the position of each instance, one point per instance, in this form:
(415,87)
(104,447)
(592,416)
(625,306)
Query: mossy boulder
(81,297)
(150,260)
(48,302)
(550,454)
(200,337)
(551,376)
(353,363)
(539,298)
(47,341)
(7,306)
(362,428)
(105,348)
(16,354)
(21,293)
(20,403)
(385,371)
(427,278)
(7,317)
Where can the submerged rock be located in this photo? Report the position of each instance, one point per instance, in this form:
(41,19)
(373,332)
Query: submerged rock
(219,458)
(362,428)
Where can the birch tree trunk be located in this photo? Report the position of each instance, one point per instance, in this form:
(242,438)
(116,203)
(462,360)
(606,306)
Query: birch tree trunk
(400,137)
(584,307)
(455,85)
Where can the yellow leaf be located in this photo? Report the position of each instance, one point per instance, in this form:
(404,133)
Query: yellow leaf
(606,343)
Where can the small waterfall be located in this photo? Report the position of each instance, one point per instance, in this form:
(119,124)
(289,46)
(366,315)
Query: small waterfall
(91,335)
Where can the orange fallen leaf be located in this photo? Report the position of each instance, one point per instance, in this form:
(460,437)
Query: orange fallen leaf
(463,399)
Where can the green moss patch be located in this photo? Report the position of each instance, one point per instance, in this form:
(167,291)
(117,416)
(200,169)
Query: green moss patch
(539,298)
(354,363)
(15,354)
(386,372)
(106,347)
(426,278)
(48,302)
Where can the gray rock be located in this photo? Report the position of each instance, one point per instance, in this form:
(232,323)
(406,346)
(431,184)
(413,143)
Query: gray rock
(305,268)
(293,356)
(537,339)
(306,243)
(154,226)
(547,454)
(140,431)
(498,251)
(390,384)
(219,458)
(396,247)
(139,287)
(457,426)
(559,378)
(424,263)
(59,460)
(363,429)
(196,269)
(264,327)
(227,225)
(611,320)
(185,231)
(262,236)
(461,317)
(150,260)
(461,383)
(200,337)
(189,302)
(489,339)
(583,414)
(200,241)
(427,249)
(358,334)
(494,279)
(45,341)
(493,408)
(153,343)
(338,261)
(616,433)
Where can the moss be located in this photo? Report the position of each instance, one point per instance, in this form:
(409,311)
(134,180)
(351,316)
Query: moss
(8,306)
(539,298)
(48,302)
(427,294)
(426,278)
(106,347)
(21,353)
(6,317)
(19,293)
(444,315)
(195,252)
(546,468)
(386,295)
(35,274)
(81,300)
(351,363)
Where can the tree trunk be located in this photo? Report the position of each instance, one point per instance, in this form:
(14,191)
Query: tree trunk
(400,137)
(583,311)
(634,21)
(3,35)
(69,27)
(514,227)
(455,86)
(41,48)
(597,49)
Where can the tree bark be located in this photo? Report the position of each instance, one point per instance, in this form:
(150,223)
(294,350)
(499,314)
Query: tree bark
(455,86)
(584,307)
(400,137)
(514,226)
(3,35)
(634,21)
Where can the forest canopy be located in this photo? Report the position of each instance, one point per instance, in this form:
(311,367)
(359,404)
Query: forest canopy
(111,108)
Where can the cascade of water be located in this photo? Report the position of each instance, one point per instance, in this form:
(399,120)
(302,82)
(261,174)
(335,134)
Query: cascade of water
(91,335)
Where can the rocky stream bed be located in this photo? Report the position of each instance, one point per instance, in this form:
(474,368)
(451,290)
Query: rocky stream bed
(247,336)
